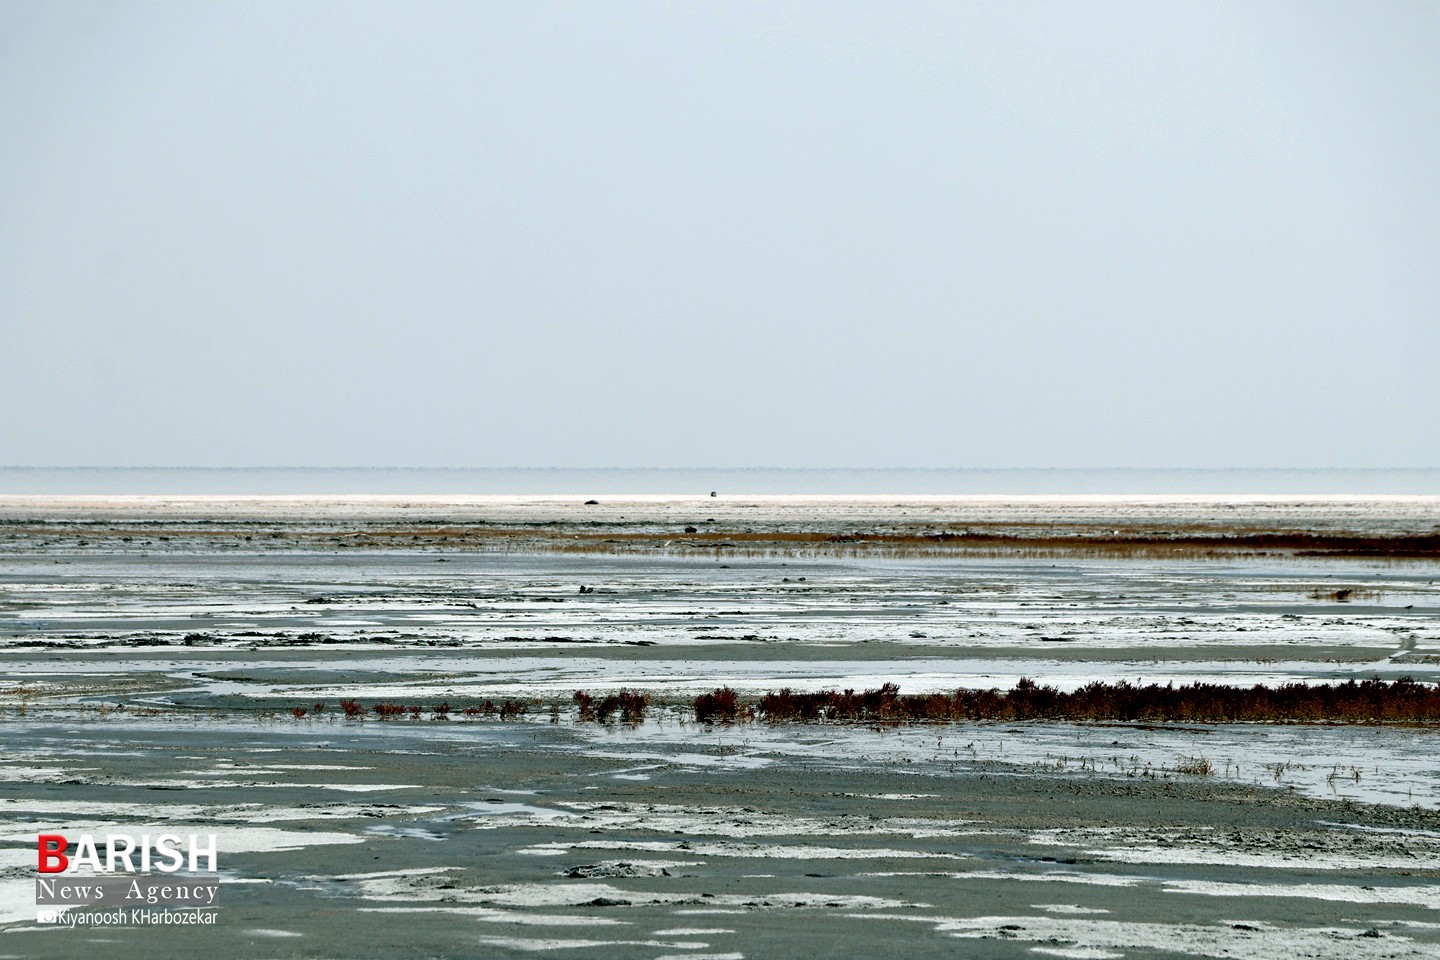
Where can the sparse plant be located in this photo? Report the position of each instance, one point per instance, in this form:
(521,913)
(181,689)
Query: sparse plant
(1196,767)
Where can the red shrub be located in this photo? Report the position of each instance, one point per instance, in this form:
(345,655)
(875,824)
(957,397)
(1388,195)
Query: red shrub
(629,704)
(722,704)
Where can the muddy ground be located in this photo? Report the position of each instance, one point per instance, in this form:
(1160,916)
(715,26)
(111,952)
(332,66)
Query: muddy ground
(149,685)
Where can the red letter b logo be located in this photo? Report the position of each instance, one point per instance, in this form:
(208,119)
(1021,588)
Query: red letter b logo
(52,853)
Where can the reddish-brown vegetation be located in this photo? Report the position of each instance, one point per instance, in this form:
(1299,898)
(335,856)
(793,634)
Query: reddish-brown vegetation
(1364,701)
(629,704)
(723,706)
(1121,539)
(1354,701)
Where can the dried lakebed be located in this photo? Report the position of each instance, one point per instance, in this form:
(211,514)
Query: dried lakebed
(488,839)
(148,685)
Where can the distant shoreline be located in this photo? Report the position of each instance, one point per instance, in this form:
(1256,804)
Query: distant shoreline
(922,526)
(738,481)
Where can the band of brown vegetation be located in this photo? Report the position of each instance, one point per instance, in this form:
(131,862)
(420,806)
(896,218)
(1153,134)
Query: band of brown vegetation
(1015,538)
(1365,701)
(1358,702)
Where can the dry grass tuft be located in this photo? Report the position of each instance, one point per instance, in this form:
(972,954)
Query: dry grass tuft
(1196,766)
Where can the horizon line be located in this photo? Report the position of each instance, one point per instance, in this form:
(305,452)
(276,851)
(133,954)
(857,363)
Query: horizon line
(828,469)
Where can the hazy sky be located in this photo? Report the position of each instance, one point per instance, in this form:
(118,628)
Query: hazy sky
(720,234)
